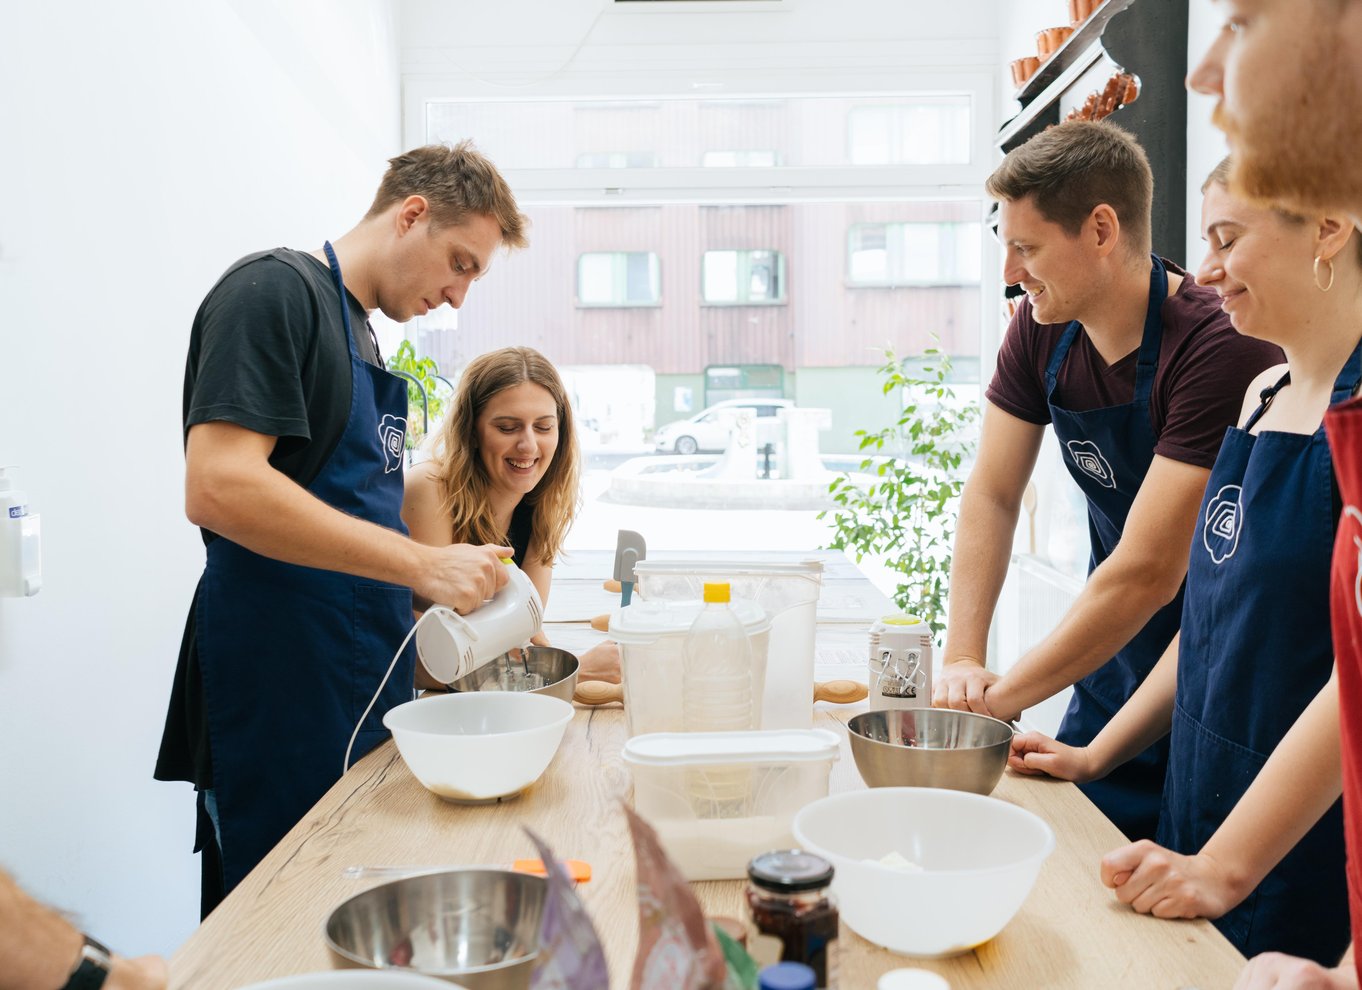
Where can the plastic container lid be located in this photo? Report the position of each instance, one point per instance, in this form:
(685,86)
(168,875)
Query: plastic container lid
(741,568)
(646,622)
(789,871)
(765,746)
(787,976)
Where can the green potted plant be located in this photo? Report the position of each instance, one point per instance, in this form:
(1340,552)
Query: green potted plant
(405,362)
(901,507)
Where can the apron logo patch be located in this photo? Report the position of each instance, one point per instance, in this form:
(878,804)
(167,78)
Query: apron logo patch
(1091,462)
(1224,522)
(392,434)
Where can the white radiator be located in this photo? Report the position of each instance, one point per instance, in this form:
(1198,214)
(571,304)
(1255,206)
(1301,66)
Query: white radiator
(1034,598)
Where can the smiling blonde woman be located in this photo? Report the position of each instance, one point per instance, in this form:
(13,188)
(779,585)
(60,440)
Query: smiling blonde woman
(506,470)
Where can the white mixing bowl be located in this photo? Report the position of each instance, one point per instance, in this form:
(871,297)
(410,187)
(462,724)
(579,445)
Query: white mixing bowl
(480,746)
(977,859)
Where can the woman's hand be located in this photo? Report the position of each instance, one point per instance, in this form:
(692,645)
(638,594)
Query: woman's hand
(1274,971)
(1154,880)
(142,973)
(1037,755)
(600,663)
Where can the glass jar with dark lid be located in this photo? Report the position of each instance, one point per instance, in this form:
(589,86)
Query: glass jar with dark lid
(788,900)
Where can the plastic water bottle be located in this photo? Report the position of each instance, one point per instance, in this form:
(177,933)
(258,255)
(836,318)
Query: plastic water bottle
(716,679)
(716,696)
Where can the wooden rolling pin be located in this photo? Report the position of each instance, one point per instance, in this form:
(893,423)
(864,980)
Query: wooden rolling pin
(603,693)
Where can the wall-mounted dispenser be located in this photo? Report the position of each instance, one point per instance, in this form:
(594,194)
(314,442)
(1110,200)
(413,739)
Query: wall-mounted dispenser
(21,565)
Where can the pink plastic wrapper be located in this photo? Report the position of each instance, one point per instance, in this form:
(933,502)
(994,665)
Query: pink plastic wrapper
(676,948)
(570,954)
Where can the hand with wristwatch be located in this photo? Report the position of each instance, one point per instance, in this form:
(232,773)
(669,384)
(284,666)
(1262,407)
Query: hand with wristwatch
(99,969)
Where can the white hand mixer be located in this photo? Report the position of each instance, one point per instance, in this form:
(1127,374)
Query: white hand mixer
(450,645)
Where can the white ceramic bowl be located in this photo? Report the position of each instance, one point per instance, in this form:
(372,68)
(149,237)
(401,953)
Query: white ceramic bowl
(355,980)
(978,857)
(480,746)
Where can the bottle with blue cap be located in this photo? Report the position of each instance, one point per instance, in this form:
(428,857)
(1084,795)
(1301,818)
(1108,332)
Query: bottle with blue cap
(786,976)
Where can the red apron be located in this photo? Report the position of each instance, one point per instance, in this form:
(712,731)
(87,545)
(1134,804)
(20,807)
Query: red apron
(1344,424)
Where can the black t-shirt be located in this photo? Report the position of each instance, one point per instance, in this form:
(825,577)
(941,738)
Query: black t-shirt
(267,351)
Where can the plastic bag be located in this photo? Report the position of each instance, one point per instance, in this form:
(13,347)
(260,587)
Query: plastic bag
(570,953)
(677,949)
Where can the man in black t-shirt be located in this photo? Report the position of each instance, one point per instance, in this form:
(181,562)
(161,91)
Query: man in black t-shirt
(294,438)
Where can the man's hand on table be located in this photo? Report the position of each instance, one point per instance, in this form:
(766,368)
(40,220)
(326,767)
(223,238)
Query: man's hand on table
(1274,971)
(142,973)
(1036,755)
(961,685)
(1154,880)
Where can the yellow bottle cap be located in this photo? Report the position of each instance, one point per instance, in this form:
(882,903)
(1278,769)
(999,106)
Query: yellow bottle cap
(902,619)
(716,592)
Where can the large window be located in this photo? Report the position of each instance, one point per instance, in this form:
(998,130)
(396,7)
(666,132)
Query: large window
(889,254)
(619,278)
(739,278)
(926,133)
(617,159)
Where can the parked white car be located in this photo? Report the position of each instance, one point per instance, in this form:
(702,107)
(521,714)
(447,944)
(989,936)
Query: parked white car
(706,431)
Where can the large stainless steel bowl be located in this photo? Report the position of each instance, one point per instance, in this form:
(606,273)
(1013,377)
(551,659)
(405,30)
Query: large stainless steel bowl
(930,747)
(477,928)
(557,667)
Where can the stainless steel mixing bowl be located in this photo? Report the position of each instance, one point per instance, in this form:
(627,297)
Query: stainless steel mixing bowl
(478,928)
(557,667)
(930,747)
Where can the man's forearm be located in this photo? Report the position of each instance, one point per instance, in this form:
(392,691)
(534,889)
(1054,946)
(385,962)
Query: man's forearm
(266,512)
(38,946)
(1114,605)
(983,548)
(1298,784)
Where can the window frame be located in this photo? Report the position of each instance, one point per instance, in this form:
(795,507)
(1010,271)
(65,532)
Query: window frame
(890,282)
(655,271)
(781,300)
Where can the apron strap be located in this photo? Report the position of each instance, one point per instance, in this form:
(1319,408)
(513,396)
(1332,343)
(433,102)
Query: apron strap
(1147,361)
(1349,377)
(1265,398)
(334,264)
(1152,338)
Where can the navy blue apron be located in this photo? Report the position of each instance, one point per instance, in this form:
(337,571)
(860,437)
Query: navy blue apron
(291,655)
(1255,650)
(1108,451)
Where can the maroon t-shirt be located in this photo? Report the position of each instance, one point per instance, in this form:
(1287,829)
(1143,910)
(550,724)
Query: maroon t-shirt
(1205,367)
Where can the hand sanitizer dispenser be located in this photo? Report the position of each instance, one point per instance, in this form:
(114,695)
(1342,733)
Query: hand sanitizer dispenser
(21,569)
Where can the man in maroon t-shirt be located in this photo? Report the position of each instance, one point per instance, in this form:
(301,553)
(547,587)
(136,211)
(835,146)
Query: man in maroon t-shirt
(1140,373)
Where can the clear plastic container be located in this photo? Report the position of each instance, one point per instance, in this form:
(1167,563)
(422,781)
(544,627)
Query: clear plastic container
(788,593)
(711,835)
(652,638)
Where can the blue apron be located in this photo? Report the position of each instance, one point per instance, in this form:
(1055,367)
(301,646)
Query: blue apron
(1255,650)
(291,655)
(1108,451)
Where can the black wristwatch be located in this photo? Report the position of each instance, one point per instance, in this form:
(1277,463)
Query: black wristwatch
(92,969)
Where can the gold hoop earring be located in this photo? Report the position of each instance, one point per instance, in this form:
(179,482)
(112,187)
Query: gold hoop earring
(1324,288)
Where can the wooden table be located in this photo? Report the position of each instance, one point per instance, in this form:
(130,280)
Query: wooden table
(1070,932)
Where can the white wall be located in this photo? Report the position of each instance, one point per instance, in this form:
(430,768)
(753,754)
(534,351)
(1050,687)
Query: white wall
(1205,143)
(147,145)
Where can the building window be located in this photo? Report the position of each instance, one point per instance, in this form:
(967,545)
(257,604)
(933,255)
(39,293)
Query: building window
(619,278)
(740,159)
(914,254)
(740,278)
(617,159)
(935,133)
